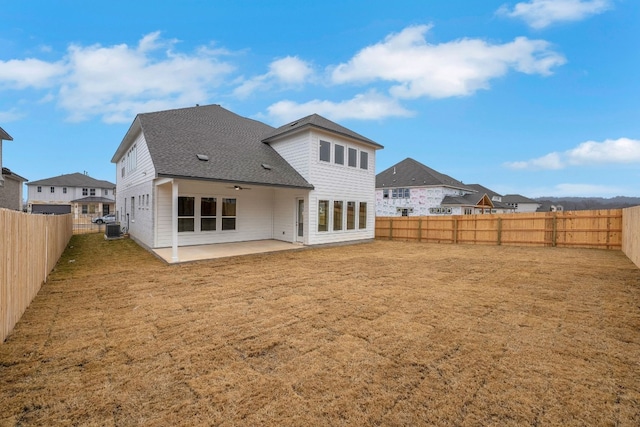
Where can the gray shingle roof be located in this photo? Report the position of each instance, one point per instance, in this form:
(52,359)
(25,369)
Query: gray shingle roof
(319,122)
(516,198)
(466,200)
(231,142)
(74,180)
(4,135)
(411,173)
(491,194)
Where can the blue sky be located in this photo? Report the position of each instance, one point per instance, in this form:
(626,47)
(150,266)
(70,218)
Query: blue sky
(537,97)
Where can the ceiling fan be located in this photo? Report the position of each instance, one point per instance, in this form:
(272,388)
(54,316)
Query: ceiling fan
(238,188)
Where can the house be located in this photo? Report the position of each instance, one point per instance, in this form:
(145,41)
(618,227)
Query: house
(204,175)
(499,206)
(410,188)
(75,193)
(10,182)
(521,203)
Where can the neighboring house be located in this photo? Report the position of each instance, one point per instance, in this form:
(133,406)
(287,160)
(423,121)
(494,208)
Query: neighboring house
(521,203)
(205,175)
(75,193)
(10,182)
(499,206)
(410,188)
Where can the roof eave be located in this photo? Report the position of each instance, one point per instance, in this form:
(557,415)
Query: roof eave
(234,181)
(304,127)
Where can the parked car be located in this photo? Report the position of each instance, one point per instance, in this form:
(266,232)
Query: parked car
(104,219)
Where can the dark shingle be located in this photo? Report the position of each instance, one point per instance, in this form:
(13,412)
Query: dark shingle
(231,142)
(411,173)
(319,122)
(74,180)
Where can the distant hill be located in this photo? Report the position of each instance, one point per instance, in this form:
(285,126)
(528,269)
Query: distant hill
(586,203)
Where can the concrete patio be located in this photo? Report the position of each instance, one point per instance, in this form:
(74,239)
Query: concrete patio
(221,250)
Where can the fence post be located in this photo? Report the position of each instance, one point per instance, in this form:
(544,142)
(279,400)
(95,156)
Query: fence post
(419,229)
(499,231)
(455,230)
(555,230)
(390,228)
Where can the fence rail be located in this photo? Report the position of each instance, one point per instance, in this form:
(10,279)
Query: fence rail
(631,234)
(30,246)
(579,229)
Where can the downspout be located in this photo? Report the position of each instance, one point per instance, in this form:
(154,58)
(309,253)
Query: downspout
(174,221)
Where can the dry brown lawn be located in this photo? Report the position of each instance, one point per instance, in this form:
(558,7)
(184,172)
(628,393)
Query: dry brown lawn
(382,333)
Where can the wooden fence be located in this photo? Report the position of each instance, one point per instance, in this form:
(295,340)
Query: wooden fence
(631,234)
(30,246)
(579,229)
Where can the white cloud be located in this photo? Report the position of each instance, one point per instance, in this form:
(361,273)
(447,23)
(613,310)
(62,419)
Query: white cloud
(290,71)
(30,72)
(10,116)
(542,13)
(455,68)
(116,82)
(610,151)
(368,106)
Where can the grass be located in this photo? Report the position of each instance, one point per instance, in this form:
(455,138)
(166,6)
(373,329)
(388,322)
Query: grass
(383,333)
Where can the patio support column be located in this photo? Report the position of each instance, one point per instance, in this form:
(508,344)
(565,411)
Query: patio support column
(174,221)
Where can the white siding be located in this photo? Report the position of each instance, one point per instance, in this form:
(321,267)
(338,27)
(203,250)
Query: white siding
(336,182)
(254,210)
(137,184)
(297,152)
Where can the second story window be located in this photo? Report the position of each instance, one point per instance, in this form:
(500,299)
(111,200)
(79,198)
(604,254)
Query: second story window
(85,191)
(325,151)
(53,189)
(39,189)
(92,192)
(400,193)
(64,190)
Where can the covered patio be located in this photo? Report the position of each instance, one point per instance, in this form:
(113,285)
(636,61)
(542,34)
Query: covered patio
(221,250)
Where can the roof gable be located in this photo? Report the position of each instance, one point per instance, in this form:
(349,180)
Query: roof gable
(4,135)
(232,144)
(411,173)
(318,122)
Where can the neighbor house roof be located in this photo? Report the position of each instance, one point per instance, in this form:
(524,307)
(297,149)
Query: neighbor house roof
(93,199)
(4,135)
(6,172)
(231,143)
(472,199)
(492,194)
(517,198)
(318,122)
(411,173)
(74,180)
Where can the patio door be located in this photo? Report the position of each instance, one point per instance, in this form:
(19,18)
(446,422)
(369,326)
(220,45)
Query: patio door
(300,221)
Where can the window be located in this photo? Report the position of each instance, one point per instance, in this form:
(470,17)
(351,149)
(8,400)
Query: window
(437,211)
(325,151)
(53,189)
(337,215)
(147,200)
(133,207)
(228,214)
(323,220)
(364,160)
(385,194)
(400,193)
(131,159)
(85,191)
(85,209)
(105,192)
(351,215)
(92,192)
(39,189)
(338,156)
(207,213)
(405,212)
(362,220)
(185,213)
(468,211)
(64,190)
(353,157)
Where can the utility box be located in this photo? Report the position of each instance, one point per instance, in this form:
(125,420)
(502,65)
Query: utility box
(112,231)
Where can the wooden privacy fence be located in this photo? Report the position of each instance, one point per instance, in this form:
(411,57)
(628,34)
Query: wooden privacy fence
(631,234)
(579,229)
(30,246)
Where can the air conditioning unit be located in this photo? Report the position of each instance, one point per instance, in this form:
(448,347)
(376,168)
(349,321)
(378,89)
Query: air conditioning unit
(112,231)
